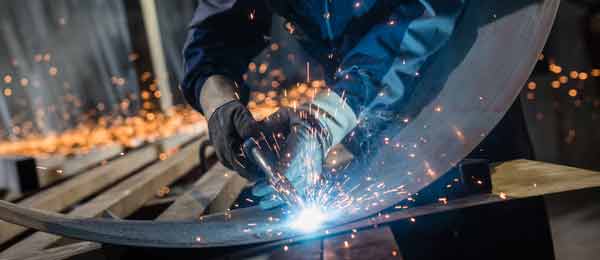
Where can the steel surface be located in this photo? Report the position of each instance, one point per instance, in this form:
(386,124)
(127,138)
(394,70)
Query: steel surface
(468,88)
(244,226)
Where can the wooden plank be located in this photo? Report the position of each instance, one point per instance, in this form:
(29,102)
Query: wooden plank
(58,253)
(194,202)
(71,191)
(524,178)
(142,187)
(376,243)
(171,143)
(34,173)
(11,196)
(168,200)
(124,198)
(53,169)
(228,194)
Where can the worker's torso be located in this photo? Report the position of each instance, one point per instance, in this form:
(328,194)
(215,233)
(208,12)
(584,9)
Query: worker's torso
(328,29)
(325,19)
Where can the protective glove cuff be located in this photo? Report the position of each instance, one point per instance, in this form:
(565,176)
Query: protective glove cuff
(216,92)
(334,115)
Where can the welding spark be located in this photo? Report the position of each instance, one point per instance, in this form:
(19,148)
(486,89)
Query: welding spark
(308,220)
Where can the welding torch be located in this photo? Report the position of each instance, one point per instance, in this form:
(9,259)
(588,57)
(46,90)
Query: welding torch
(266,160)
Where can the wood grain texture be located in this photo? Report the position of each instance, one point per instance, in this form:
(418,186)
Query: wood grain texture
(58,253)
(174,142)
(73,190)
(124,198)
(194,202)
(55,169)
(524,178)
(228,194)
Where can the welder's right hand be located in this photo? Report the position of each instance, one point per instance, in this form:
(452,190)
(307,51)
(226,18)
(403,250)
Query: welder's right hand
(229,124)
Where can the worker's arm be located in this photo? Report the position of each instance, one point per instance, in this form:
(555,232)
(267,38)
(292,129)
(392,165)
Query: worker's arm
(379,71)
(376,73)
(385,59)
(222,39)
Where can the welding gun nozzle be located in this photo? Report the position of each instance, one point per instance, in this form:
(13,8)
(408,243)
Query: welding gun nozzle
(265,161)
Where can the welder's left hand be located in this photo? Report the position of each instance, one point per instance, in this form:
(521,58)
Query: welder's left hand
(230,123)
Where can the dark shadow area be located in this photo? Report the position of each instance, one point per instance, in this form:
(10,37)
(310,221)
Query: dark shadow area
(561,106)
(514,230)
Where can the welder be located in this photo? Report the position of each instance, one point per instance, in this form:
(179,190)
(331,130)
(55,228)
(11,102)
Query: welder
(372,52)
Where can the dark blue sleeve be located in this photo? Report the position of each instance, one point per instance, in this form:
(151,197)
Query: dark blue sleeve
(377,71)
(221,40)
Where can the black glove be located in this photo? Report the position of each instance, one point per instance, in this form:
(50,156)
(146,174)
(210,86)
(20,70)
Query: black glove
(228,127)
(229,124)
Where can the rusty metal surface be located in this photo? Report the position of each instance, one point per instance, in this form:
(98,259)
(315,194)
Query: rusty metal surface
(478,75)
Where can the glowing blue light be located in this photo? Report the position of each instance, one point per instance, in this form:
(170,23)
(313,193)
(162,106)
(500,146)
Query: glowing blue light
(308,220)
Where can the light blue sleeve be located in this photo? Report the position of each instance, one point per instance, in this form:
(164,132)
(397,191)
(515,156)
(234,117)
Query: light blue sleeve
(391,54)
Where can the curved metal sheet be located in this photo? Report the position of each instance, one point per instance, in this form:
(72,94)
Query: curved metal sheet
(246,226)
(475,78)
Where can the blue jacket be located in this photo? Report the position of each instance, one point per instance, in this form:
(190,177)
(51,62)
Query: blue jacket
(372,49)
